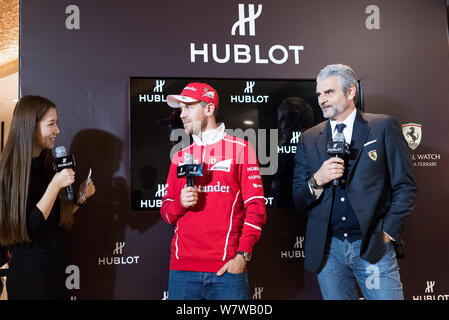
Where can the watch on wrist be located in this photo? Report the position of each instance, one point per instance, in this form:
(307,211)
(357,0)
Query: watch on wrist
(314,184)
(246,255)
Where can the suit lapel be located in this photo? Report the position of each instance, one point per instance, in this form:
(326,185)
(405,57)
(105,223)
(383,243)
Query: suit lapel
(359,136)
(321,141)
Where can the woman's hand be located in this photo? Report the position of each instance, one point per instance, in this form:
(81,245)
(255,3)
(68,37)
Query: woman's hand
(88,192)
(63,179)
(60,180)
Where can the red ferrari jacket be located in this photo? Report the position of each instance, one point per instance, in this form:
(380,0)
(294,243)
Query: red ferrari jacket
(230,211)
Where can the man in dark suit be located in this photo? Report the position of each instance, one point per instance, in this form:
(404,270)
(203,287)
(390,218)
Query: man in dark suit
(354,228)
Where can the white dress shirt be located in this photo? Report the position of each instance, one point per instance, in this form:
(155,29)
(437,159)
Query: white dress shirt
(347,131)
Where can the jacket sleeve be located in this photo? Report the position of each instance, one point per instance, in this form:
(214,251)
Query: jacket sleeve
(171,209)
(401,179)
(253,199)
(301,193)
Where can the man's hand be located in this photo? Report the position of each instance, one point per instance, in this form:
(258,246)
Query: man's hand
(331,169)
(386,237)
(235,265)
(189,197)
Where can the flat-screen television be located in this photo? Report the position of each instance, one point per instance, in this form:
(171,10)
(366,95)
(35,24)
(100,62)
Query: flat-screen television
(271,114)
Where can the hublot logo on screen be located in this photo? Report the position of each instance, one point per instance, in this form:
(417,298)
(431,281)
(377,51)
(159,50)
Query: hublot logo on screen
(158,88)
(249,98)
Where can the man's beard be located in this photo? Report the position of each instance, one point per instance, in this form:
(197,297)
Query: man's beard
(196,127)
(335,111)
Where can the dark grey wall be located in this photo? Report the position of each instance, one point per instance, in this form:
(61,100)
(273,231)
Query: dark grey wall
(403,67)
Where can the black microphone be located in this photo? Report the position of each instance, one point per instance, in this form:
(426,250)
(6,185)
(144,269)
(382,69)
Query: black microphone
(64,161)
(189,170)
(188,159)
(338,148)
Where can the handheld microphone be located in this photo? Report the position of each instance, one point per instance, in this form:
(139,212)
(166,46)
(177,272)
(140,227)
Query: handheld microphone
(338,148)
(188,159)
(190,170)
(64,161)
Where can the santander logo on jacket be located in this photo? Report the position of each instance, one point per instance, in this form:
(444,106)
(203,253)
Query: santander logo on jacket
(230,211)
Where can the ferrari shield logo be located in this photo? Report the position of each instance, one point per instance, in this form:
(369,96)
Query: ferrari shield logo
(412,133)
(373,155)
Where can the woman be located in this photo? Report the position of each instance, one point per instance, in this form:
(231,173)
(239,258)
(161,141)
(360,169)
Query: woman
(34,211)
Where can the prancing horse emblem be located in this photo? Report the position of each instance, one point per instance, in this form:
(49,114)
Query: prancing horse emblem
(413,134)
(373,155)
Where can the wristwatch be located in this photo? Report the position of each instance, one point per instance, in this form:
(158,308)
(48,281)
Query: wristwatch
(246,255)
(314,184)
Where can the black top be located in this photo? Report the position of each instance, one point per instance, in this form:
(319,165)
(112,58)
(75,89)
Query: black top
(37,268)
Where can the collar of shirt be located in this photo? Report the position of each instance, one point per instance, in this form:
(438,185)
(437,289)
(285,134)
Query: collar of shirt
(349,122)
(210,136)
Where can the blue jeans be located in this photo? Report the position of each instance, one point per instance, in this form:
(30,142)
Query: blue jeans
(190,285)
(379,281)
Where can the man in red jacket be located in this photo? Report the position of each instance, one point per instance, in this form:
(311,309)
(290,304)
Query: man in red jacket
(218,221)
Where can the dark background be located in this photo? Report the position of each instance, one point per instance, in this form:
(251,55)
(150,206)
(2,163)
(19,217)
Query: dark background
(403,67)
(152,122)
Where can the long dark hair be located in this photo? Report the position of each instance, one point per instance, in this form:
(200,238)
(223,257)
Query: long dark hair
(15,168)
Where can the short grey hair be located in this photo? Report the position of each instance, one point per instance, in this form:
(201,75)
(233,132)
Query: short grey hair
(346,77)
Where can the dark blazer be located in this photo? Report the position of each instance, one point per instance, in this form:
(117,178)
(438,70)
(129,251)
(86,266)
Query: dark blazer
(381,188)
